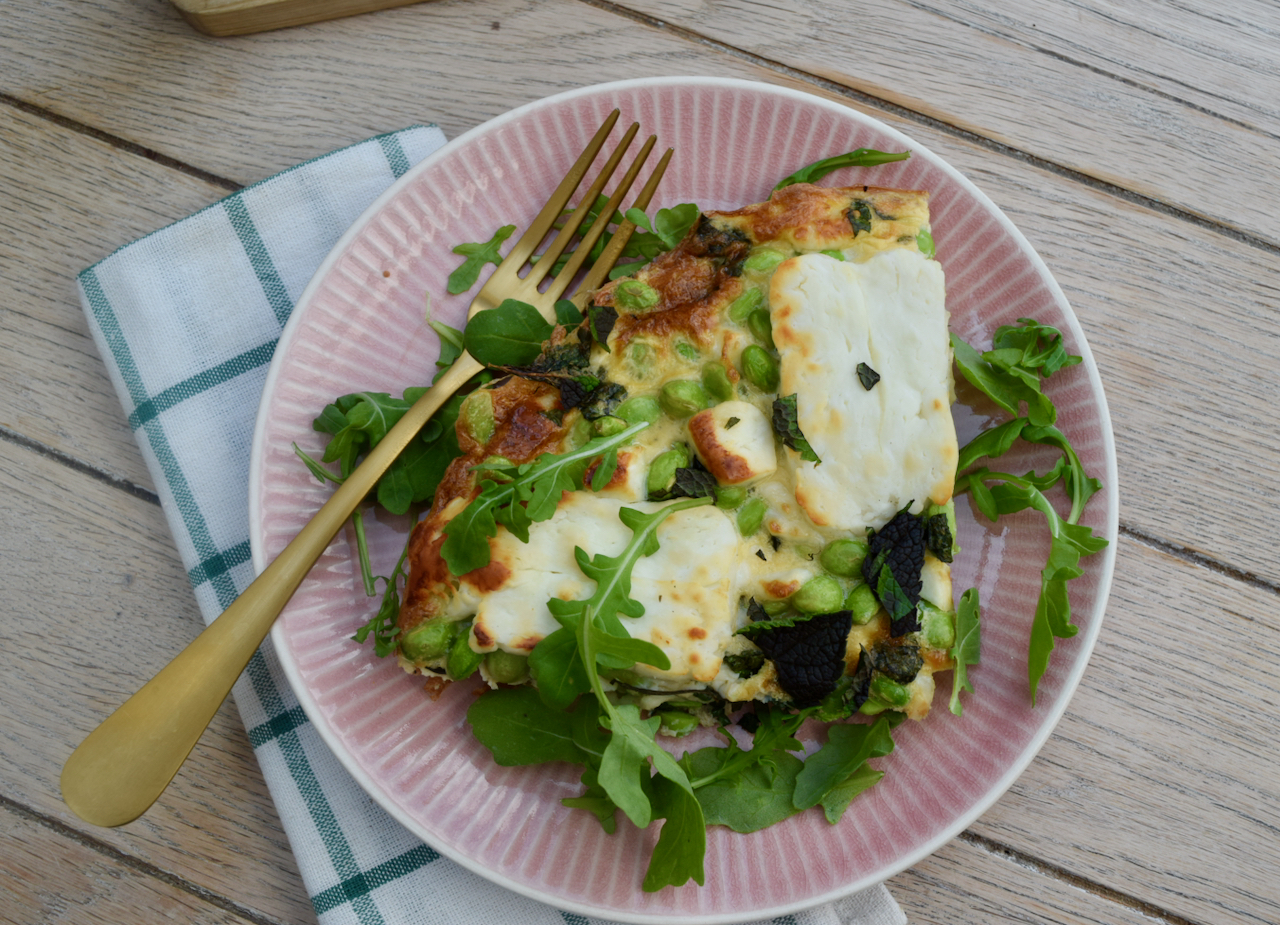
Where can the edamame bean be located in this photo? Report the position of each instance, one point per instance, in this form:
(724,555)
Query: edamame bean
(635,295)
(427,641)
(688,351)
(937,627)
(463,660)
(662,471)
(677,722)
(641,408)
(728,499)
(579,434)
(844,557)
(924,241)
(760,369)
(764,259)
(862,601)
(682,398)
(889,691)
(608,425)
(776,608)
(820,594)
(761,327)
(477,416)
(751,516)
(506,667)
(715,379)
(741,308)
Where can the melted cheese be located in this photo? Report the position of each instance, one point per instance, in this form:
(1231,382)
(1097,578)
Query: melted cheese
(688,588)
(886,446)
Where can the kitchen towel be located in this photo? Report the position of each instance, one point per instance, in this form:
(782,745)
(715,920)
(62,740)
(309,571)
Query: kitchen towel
(187,320)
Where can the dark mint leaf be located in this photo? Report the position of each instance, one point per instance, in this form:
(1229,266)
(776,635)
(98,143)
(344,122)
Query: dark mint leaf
(892,568)
(808,655)
(938,537)
(786,425)
(862,157)
(859,216)
(511,334)
(745,664)
(602,318)
(900,662)
(463,278)
(731,423)
(694,482)
(867,376)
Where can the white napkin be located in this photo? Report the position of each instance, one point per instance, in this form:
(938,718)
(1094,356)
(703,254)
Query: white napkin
(186,320)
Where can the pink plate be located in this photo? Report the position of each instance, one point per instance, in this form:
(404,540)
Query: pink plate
(360,325)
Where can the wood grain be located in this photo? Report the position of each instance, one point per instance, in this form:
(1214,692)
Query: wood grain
(979,73)
(86,886)
(1148,287)
(98,576)
(1155,800)
(969,881)
(1161,781)
(53,386)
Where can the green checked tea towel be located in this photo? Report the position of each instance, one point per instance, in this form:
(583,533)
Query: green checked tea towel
(186,320)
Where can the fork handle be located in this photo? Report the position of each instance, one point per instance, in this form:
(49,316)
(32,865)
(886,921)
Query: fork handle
(120,769)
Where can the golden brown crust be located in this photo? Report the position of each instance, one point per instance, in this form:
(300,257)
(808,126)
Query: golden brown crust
(523,431)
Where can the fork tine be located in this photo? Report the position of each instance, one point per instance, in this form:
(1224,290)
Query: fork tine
(570,270)
(600,269)
(548,258)
(545,219)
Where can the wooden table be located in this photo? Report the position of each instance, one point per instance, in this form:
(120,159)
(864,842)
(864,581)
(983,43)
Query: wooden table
(1135,143)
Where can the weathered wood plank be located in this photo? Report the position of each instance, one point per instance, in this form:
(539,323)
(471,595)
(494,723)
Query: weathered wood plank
(1148,288)
(105,603)
(49,878)
(967,67)
(46,877)
(968,884)
(1160,782)
(53,386)
(1218,57)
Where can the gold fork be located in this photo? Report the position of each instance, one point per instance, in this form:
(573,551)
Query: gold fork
(125,764)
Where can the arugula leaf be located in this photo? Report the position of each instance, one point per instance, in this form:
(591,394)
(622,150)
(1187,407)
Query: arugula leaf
(463,278)
(837,799)
(519,728)
(847,748)
(451,346)
(1007,386)
(382,626)
(511,334)
(968,646)
(682,844)
(529,494)
(753,798)
(862,157)
(1068,543)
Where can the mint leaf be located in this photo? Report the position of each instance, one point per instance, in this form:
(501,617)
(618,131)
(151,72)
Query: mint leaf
(862,157)
(968,647)
(463,278)
(510,334)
